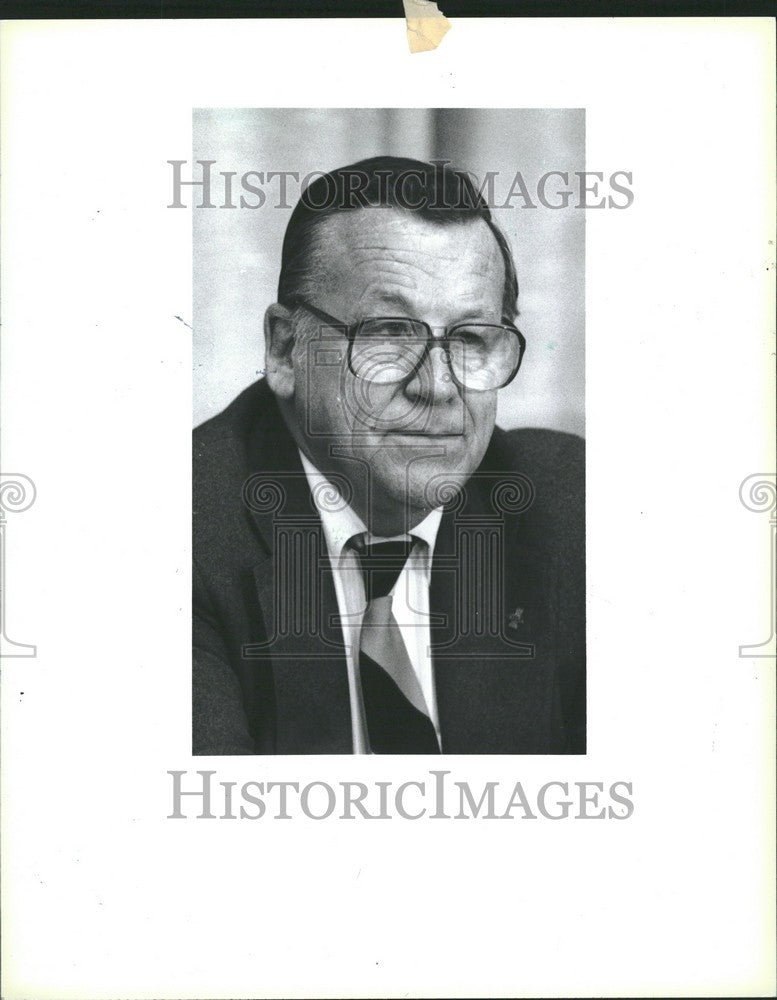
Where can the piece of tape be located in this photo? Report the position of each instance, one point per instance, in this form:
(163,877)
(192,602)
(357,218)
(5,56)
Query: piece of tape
(426,25)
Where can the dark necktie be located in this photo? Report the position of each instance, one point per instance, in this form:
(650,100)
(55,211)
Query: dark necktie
(397,715)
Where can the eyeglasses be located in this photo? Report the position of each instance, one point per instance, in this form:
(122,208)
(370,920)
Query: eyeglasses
(390,349)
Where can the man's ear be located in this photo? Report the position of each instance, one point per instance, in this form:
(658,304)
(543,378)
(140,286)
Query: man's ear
(278,345)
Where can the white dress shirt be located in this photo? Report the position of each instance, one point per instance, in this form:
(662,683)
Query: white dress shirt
(409,599)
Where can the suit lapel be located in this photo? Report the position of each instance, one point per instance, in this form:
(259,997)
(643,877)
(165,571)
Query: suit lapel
(492,645)
(492,603)
(296,595)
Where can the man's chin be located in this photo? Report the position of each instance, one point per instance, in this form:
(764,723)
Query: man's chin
(427,485)
(425,452)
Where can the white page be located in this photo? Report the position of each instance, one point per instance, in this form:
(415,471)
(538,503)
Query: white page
(104,895)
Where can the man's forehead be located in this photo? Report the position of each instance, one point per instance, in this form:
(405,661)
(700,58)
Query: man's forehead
(373,229)
(381,247)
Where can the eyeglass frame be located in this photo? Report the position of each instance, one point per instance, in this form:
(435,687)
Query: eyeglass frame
(352,329)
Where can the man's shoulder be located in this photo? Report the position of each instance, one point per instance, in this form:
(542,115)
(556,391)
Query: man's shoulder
(550,456)
(539,441)
(227,449)
(551,468)
(231,429)
(249,436)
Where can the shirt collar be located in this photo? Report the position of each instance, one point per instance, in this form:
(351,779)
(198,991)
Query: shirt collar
(341,522)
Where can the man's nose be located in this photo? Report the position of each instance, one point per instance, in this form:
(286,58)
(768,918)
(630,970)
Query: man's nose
(433,381)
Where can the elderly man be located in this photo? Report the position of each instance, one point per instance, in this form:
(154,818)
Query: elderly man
(377,568)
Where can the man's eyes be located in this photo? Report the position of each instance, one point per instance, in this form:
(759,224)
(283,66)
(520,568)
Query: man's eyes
(380,327)
(467,334)
(398,328)
(391,328)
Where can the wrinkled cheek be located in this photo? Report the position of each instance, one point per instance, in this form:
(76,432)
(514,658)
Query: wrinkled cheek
(483,418)
(439,459)
(319,392)
(383,409)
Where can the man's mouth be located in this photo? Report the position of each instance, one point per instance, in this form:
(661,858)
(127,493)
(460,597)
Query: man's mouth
(426,433)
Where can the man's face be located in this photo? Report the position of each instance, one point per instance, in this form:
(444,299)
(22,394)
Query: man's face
(395,442)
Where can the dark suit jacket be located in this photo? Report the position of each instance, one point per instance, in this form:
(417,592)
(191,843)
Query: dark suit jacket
(507,597)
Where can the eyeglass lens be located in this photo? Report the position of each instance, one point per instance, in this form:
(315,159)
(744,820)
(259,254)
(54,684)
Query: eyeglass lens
(481,356)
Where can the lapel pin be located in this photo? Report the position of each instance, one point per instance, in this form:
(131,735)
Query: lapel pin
(515,619)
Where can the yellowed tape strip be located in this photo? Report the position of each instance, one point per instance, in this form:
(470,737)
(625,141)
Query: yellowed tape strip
(426,25)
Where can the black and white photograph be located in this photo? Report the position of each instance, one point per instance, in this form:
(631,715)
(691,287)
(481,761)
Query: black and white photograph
(388,522)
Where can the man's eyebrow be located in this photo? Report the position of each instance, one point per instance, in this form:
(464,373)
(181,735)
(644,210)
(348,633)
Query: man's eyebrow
(395,299)
(398,300)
